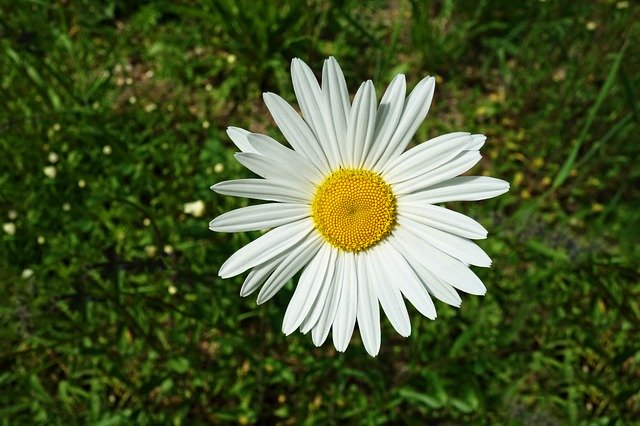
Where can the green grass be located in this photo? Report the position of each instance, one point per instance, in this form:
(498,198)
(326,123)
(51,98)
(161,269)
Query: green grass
(124,320)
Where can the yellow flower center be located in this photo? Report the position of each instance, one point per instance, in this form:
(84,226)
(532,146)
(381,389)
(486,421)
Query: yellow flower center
(353,209)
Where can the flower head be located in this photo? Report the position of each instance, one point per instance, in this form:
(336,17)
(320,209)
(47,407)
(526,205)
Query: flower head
(9,228)
(27,273)
(353,211)
(50,171)
(194,208)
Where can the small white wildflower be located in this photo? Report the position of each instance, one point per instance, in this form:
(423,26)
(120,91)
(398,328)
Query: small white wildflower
(205,124)
(150,250)
(27,273)
(146,221)
(106,150)
(82,183)
(172,290)
(41,240)
(12,214)
(53,157)
(50,172)
(218,168)
(195,208)
(66,207)
(9,228)
(591,26)
(168,249)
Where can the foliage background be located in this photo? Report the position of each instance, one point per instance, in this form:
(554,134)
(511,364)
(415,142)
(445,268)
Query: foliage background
(112,312)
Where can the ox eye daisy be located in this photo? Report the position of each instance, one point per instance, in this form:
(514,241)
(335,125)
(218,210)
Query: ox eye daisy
(353,212)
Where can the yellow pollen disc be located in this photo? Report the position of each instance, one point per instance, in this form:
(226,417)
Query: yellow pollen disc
(353,209)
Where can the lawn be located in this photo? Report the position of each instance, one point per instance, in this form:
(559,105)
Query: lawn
(112,130)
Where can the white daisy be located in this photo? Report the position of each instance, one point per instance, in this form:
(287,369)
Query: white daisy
(353,212)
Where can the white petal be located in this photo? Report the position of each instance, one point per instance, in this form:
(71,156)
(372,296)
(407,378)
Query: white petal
(426,156)
(461,248)
(321,329)
(275,170)
(258,275)
(437,287)
(460,164)
(478,142)
(311,102)
(362,122)
(307,290)
(239,137)
(415,110)
(273,149)
(388,115)
(345,319)
(265,247)
(440,264)
(262,189)
(296,259)
(261,216)
(296,131)
(442,218)
(368,314)
(389,294)
(325,289)
(336,99)
(463,188)
(407,280)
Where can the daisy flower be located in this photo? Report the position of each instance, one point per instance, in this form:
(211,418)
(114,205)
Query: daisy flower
(353,211)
